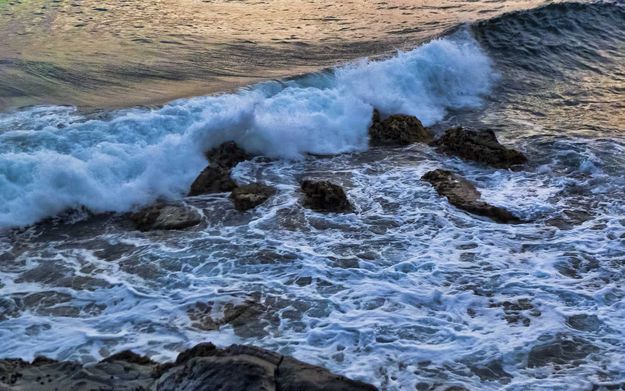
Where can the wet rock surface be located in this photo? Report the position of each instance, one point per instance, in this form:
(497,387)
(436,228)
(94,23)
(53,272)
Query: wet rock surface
(246,318)
(248,197)
(203,367)
(462,194)
(215,178)
(325,196)
(559,349)
(227,155)
(397,130)
(478,145)
(166,217)
(519,311)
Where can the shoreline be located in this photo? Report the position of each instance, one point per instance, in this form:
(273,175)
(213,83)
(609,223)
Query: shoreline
(202,367)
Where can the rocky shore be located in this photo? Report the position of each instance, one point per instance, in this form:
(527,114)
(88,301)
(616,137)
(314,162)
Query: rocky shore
(201,368)
(206,367)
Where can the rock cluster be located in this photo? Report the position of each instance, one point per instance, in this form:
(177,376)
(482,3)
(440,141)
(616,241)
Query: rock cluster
(201,368)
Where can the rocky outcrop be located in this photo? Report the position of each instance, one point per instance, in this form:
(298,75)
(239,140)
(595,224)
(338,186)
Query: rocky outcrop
(397,130)
(250,196)
(202,368)
(481,146)
(227,155)
(163,216)
(462,194)
(325,196)
(215,178)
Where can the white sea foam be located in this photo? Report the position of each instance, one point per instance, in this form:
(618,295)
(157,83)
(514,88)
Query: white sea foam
(53,158)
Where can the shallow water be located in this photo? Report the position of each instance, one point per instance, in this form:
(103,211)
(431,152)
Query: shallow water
(408,292)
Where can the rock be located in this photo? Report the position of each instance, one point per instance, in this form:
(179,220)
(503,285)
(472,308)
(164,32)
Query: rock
(397,130)
(213,179)
(227,155)
(480,146)
(325,196)
(250,196)
(520,311)
(463,194)
(201,368)
(249,368)
(165,217)
(294,375)
(245,318)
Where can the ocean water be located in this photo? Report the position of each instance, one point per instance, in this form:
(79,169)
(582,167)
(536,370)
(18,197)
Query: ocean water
(408,292)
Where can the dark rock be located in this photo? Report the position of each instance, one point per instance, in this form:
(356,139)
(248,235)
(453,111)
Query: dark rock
(250,196)
(227,155)
(559,349)
(213,179)
(130,357)
(294,375)
(480,146)
(204,367)
(325,196)
(463,194)
(165,217)
(397,130)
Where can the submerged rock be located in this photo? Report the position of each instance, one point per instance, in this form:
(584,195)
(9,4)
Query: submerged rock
(325,196)
(480,146)
(250,196)
(165,217)
(202,368)
(397,130)
(559,349)
(213,179)
(462,194)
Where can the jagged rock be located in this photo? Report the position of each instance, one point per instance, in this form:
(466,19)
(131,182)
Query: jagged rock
(227,155)
(201,368)
(215,178)
(397,130)
(462,194)
(325,196)
(165,217)
(480,146)
(250,196)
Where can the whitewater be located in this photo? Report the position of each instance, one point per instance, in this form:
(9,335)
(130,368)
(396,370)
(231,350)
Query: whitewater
(54,158)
